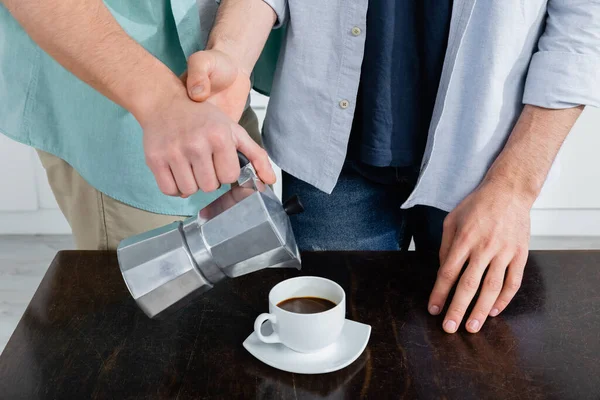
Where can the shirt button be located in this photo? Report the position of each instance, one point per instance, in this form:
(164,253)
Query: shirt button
(356,31)
(344,104)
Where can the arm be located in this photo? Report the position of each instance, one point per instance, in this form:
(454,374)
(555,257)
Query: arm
(83,37)
(241,30)
(221,73)
(524,163)
(490,228)
(188,146)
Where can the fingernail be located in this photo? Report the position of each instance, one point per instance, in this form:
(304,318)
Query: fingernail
(474,325)
(450,326)
(434,310)
(197,90)
(494,312)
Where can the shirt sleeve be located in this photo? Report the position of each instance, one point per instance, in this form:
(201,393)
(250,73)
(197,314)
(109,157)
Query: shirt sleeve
(565,71)
(281,9)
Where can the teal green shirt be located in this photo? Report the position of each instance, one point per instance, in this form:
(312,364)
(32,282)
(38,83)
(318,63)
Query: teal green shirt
(45,106)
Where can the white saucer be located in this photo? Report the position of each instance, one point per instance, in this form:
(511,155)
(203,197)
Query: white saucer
(345,351)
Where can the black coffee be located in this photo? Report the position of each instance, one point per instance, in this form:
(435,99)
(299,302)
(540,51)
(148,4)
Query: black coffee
(306,305)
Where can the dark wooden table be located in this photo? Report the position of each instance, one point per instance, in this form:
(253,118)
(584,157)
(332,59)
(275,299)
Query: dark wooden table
(83,337)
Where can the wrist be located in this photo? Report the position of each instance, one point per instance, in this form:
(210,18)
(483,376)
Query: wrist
(155,93)
(515,181)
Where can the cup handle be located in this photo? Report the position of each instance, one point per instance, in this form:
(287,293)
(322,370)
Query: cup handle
(262,318)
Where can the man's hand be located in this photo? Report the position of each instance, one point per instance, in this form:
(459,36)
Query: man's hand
(489,229)
(214,76)
(221,73)
(191,146)
(218,80)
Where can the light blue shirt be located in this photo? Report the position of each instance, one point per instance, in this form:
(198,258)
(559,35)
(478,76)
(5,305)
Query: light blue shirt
(500,55)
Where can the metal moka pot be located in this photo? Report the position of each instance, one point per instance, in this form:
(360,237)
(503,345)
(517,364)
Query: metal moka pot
(245,230)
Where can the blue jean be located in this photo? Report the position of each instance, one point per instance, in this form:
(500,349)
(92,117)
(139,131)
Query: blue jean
(363,212)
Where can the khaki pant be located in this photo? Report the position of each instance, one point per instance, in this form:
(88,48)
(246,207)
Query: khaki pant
(100,222)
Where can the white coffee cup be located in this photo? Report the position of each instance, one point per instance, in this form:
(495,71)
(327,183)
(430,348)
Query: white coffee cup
(304,333)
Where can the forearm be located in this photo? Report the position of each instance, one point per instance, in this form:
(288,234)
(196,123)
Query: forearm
(241,30)
(525,161)
(83,36)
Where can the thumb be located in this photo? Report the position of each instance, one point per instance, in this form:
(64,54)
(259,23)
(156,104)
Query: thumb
(197,79)
(256,155)
(208,73)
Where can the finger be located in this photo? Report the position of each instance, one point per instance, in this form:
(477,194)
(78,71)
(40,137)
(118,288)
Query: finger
(209,72)
(164,177)
(449,230)
(204,173)
(448,274)
(184,177)
(198,84)
(490,290)
(448,233)
(256,154)
(227,166)
(512,283)
(465,292)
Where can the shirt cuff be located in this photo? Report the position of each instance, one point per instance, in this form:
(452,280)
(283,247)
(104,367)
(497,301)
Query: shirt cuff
(281,9)
(563,80)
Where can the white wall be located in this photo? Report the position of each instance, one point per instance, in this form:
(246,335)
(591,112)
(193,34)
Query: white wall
(569,204)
